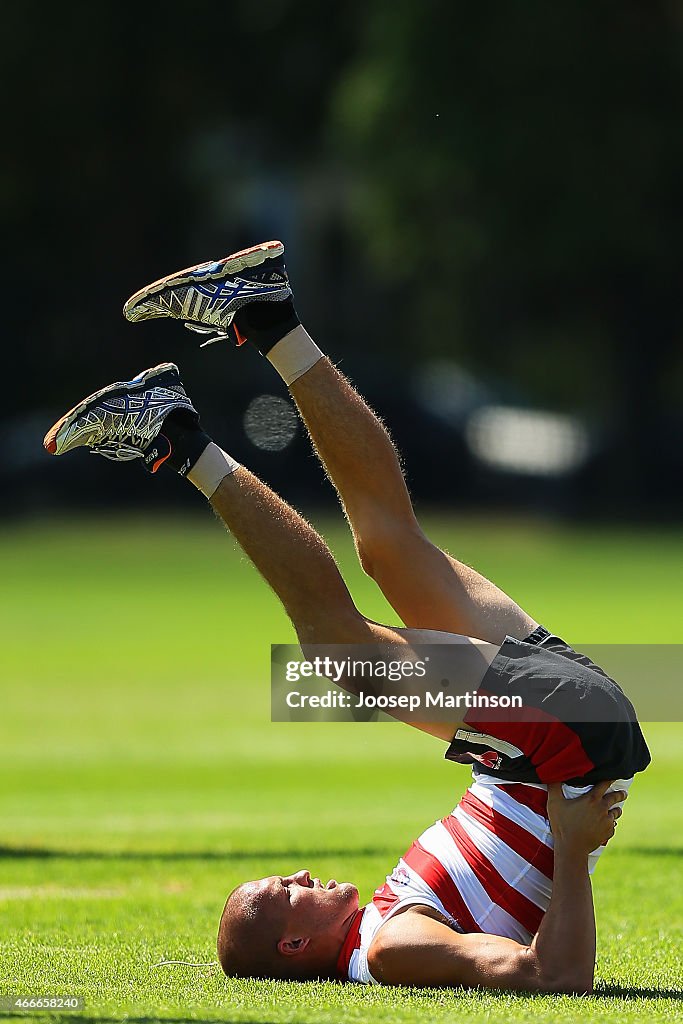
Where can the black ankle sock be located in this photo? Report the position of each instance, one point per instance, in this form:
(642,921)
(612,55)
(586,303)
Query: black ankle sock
(178,445)
(266,323)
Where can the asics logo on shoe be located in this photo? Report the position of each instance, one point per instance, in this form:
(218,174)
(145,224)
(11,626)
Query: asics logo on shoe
(225,291)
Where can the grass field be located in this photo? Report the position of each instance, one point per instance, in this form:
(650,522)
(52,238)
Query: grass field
(142,778)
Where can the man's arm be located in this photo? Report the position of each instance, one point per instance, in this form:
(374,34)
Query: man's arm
(415,949)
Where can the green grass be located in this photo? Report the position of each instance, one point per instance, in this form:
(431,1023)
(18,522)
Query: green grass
(142,778)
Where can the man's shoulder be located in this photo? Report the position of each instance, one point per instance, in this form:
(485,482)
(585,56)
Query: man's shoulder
(402,922)
(400,939)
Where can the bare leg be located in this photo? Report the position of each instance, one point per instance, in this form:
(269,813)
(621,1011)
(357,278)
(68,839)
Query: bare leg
(293,559)
(427,587)
(299,567)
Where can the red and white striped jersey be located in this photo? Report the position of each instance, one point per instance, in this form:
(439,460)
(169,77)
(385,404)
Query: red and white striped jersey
(486,867)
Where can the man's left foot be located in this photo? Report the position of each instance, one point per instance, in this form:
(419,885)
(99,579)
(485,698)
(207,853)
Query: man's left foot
(123,421)
(207,296)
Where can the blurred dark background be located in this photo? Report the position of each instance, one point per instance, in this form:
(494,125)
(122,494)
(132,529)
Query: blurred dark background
(483,214)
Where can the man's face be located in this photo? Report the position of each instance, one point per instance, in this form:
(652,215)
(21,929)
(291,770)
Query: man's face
(303,907)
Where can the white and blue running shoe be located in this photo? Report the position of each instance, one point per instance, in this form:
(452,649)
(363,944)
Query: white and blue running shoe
(207,296)
(123,421)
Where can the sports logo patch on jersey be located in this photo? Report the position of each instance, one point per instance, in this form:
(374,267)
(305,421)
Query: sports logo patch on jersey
(490,759)
(400,875)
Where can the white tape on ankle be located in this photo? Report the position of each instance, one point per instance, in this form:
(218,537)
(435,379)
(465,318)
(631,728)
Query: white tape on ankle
(294,354)
(212,466)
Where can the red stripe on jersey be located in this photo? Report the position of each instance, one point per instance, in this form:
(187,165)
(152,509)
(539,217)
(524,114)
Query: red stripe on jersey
(535,799)
(499,891)
(436,876)
(513,835)
(384,899)
(351,943)
(553,747)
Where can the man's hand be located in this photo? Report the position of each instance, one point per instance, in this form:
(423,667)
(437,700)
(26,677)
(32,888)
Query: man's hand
(585,822)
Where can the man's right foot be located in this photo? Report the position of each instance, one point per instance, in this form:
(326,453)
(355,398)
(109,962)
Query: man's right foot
(207,296)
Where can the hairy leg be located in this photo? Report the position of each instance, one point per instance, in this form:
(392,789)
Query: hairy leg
(292,558)
(427,587)
(296,563)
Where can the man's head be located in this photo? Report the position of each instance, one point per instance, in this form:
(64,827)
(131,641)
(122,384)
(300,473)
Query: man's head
(285,927)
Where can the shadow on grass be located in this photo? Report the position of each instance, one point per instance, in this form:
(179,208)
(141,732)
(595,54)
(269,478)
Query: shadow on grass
(632,993)
(124,1018)
(603,992)
(648,851)
(49,853)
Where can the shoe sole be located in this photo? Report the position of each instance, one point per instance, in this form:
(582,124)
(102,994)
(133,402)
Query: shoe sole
(252,257)
(112,390)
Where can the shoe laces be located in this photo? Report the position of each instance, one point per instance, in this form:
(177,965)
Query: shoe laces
(213,334)
(116,451)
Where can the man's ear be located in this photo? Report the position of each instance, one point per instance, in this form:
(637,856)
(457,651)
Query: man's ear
(292,947)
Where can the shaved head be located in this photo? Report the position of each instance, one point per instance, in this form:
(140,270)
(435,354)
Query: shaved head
(248,936)
(285,927)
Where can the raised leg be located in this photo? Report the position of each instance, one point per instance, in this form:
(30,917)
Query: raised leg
(427,587)
(296,563)
(151,418)
(292,558)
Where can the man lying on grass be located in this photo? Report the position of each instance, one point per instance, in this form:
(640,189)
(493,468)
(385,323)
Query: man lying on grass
(497,893)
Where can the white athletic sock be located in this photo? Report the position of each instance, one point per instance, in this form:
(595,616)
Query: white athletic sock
(294,354)
(212,466)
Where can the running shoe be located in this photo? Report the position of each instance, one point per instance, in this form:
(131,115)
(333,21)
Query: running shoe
(123,421)
(207,296)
